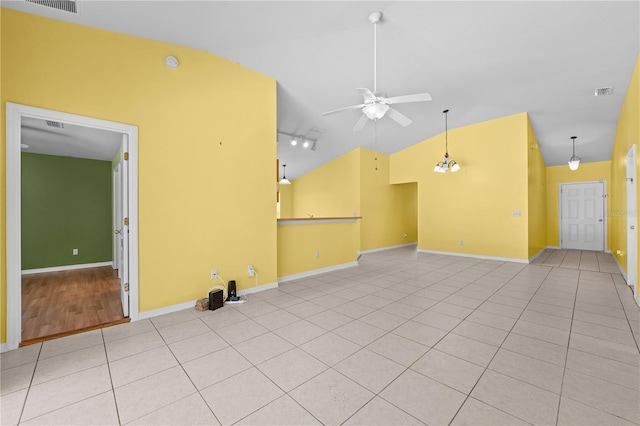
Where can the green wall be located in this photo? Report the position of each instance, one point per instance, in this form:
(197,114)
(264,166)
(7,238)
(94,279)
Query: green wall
(66,204)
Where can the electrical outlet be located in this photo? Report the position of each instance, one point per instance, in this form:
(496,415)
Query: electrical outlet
(461,242)
(214,274)
(75,252)
(404,235)
(318,253)
(251,271)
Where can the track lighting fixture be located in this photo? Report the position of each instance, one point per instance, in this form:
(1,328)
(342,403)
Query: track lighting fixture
(301,141)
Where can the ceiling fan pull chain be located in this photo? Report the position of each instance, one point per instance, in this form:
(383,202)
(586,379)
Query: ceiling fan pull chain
(375,141)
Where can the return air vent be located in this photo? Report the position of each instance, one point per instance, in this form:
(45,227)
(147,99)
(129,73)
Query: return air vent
(64,5)
(603,91)
(56,124)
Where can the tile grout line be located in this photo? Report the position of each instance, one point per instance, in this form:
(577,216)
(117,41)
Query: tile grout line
(183,370)
(633,335)
(566,358)
(26,397)
(500,347)
(113,390)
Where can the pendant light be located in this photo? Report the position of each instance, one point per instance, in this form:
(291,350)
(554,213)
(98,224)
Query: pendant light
(284,180)
(574,161)
(448,164)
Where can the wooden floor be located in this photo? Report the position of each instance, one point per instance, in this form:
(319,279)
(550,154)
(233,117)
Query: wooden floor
(55,303)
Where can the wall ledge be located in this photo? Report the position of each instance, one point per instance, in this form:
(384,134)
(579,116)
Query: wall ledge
(303,221)
(66,267)
(316,272)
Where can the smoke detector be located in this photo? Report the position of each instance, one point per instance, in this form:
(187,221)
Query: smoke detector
(171,62)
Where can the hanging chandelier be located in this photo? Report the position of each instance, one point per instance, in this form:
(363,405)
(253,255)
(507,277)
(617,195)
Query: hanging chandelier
(448,164)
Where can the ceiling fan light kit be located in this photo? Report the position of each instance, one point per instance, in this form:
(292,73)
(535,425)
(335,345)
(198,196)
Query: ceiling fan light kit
(375,105)
(448,164)
(574,161)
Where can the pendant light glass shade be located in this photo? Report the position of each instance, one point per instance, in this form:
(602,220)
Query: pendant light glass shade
(284,180)
(448,164)
(574,161)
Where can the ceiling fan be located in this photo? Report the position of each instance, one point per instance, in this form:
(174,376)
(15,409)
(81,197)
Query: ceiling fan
(376,105)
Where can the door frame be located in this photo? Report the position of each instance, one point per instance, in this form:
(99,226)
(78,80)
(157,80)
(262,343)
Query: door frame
(117,216)
(604,209)
(631,217)
(14,115)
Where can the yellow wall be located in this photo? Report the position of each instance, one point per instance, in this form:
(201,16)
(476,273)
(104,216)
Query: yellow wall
(192,138)
(388,211)
(286,200)
(556,175)
(305,247)
(537,191)
(358,182)
(476,204)
(627,134)
(331,190)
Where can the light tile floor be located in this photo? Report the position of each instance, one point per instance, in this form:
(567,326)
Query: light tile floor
(404,338)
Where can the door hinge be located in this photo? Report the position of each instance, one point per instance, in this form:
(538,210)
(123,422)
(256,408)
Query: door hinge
(126,156)
(126,221)
(126,286)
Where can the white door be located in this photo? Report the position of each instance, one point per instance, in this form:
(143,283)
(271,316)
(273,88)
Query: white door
(124,226)
(632,213)
(117,219)
(582,216)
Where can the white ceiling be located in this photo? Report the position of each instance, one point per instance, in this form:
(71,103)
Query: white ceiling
(480,59)
(69,141)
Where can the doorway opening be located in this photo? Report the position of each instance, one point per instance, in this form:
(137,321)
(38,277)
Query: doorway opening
(128,262)
(582,218)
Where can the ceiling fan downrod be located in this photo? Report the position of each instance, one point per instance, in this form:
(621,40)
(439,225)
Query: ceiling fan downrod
(374,18)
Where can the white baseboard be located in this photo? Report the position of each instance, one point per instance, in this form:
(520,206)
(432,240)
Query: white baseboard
(191,304)
(622,272)
(166,310)
(475,256)
(386,248)
(316,272)
(4,347)
(66,268)
(257,289)
(535,256)
(637,299)
(553,247)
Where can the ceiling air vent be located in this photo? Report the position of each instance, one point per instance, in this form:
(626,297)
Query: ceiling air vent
(64,5)
(56,124)
(603,91)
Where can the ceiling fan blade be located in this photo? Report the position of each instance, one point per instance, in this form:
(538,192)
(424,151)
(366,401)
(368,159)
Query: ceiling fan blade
(360,124)
(366,94)
(419,97)
(343,109)
(400,118)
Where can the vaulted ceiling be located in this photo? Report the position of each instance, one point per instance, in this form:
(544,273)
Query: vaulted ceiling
(479,59)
